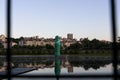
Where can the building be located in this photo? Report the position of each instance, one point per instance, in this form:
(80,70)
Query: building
(36,41)
(2,38)
(30,41)
(3,41)
(70,36)
(70,69)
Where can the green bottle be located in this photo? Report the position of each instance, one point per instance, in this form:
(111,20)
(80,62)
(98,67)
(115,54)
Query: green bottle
(57,55)
(57,46)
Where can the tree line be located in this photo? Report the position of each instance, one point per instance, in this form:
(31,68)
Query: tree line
(84,47)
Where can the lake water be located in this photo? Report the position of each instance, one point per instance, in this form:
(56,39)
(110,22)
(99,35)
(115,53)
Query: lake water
(107,69)
(78,66)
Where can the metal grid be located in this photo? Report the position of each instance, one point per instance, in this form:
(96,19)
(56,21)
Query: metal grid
(115,75)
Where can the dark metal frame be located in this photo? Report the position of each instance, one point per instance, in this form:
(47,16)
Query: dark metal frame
(115,75)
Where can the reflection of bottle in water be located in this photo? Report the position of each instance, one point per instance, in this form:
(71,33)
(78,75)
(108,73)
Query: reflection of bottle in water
(57,54)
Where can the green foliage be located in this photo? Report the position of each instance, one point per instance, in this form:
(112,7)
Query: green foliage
(84,47)
(95,44)
(1,46)
(49,46)
(75,46)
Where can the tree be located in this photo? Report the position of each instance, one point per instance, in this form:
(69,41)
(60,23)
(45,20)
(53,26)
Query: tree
(85,43)
(49,46)
(95,44)
(1,46)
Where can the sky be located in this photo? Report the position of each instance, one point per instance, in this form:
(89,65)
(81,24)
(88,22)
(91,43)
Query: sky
(48,18)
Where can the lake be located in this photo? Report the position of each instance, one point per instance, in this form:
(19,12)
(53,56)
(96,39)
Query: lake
(69,65)
(107,69)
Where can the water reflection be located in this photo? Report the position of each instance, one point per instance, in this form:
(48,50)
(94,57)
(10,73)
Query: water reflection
(57,67)
(76,71)
(27,62)
(67,66)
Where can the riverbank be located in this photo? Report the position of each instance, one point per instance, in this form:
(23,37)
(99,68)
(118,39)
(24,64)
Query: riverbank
(28,51)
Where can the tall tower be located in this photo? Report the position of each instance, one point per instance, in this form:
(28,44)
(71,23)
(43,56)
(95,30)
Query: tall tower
(70,36)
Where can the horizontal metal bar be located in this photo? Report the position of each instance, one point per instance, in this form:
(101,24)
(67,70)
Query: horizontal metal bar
(65,76)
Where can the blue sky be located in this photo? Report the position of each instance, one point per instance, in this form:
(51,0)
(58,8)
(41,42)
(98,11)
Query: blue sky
(48,18)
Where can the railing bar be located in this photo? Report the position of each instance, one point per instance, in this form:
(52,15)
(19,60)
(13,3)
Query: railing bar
(113,23)
(65,76)
(8,55)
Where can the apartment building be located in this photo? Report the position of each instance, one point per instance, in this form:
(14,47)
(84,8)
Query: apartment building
(36,41)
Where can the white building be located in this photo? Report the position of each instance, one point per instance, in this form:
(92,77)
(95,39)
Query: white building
(35,41)
(3,41)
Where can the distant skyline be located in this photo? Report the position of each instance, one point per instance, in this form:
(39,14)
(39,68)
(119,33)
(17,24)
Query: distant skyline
(48,18)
